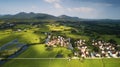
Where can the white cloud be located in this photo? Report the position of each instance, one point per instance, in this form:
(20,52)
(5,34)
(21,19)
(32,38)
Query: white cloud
(81,9)
(52,1)
(57,5)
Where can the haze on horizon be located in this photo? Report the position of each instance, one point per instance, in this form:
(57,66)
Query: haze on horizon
(93,9)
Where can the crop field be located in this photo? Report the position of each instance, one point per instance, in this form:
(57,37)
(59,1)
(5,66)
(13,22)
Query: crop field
(38,55)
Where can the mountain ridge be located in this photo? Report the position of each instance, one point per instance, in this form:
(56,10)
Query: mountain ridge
(43,16)
(40,16)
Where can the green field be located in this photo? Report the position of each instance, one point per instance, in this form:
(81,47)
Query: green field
(37,50)
(62,63)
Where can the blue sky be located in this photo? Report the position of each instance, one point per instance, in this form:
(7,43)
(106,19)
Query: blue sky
(95,9)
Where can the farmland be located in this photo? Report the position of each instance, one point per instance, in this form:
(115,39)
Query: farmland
(61,50)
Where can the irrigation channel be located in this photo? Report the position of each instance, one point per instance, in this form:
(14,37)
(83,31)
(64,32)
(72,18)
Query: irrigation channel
(22,47)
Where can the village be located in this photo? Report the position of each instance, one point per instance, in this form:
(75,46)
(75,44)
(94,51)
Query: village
(102,49)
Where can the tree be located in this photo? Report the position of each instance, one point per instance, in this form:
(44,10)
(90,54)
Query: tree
(112,41)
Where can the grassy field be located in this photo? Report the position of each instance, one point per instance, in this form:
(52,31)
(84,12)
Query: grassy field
(39,50)
(24,36)
(62,63)
(7,36)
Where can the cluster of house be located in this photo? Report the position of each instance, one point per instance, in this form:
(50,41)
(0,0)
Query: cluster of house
(57,41)
(83,50)
(104,49)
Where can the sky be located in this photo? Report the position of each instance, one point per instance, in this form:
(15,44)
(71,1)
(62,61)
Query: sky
(91,9)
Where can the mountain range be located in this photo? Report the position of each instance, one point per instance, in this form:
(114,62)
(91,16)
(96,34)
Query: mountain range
(43,16)
(39,16)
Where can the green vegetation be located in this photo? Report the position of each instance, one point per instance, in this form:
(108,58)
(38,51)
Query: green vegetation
(62,63)
(40,51)
(32,32)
